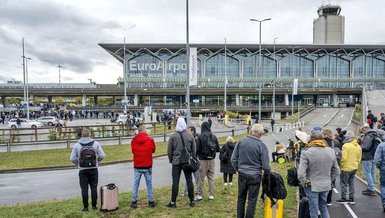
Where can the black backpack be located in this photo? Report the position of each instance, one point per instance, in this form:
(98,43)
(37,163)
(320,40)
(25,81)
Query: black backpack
(87,155)
(337,151)
(223,154)
(209,148)
(292,177)
(273,187)
(376,140)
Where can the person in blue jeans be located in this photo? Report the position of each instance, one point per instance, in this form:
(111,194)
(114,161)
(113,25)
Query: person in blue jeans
(368,150)
(142,147)
(379,160)
(318,167)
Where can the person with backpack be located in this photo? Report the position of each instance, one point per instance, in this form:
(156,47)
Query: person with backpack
(318,167)
(174,153)
(250,158)
(371,119)
(335,145)
(142,147)
(86,155)
(379,160)
(369,145)
(207,147)
(351,158)
(226,166)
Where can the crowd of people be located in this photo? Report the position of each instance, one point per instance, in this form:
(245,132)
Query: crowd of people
(320,157)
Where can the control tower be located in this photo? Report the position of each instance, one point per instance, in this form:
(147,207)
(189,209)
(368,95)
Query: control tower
(329,27)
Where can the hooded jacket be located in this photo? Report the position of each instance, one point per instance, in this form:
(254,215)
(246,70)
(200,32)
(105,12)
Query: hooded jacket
(142,147)
(175,144)
(351,155)
(367,145)
(75,154)
(202,141)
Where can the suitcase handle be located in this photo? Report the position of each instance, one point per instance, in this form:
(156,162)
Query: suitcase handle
(111,186)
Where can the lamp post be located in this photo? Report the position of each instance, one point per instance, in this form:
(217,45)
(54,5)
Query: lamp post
(26,79)
(124,76)
(225,97)
(276,75)
(59,66)
(24,90)
(259,65)
(188,66)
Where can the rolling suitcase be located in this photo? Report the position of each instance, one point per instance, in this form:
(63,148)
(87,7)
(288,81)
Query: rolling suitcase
(304,211)
(109,196)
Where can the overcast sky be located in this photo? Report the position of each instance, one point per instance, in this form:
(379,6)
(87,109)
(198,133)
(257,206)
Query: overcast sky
(67,32)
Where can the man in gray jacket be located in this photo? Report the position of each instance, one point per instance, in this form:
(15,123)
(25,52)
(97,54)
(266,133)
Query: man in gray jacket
(317,169)
(249,158)
(368,166)
(86,154)
(175,147)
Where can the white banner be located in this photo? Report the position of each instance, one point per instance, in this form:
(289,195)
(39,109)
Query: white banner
(193,67)
(295,86)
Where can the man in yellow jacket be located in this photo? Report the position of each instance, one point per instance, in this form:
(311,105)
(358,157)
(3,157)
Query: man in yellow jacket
(351,158)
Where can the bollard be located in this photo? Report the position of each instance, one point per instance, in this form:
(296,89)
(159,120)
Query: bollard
(68,144)
(8,147)
(164,137)
(248,129)
(120,140)
(232,132)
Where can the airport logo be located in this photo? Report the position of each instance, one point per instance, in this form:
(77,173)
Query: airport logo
(174,67)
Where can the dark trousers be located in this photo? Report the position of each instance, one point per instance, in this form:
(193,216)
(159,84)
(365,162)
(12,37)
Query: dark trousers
(248,186)
(225,177)
(329,197)
(89,177)
(176,171)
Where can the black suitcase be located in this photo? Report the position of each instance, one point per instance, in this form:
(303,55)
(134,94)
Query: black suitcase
(302,192)
(304,211)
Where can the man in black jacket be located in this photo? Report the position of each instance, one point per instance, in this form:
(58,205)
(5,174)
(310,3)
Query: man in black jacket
(207,146)
(371,119)
(368,166)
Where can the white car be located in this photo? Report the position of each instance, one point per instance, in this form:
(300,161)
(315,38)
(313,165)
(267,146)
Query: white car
(123,118)
(48,120)
(24,124)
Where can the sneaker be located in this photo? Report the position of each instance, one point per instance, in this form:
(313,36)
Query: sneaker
(341,201)
(85,209)
(151,204)
(94,208)
(230,183)
(192,204)
(211,198)
(198,198)
(171,205)
(368,192)
(185,194)
(329,203)
(351,201)
(134,205)
(225,184)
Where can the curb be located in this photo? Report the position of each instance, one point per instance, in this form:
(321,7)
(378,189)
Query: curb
(39,169)
(364,182)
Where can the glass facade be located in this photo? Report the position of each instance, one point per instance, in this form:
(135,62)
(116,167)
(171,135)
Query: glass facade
(304,61)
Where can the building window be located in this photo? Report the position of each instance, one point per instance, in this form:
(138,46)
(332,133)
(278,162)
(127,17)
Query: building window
(212,70)
(251,70)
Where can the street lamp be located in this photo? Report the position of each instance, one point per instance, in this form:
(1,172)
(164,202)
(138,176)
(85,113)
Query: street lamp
(276,75)
(59,66)
(225,103)
(188,66)
(259,65)
(124,76)
(26,78)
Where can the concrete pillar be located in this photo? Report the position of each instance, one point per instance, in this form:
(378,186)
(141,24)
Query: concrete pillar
(84,100)
(136,97)
(335,100)
(95,100)
(113,100)
(165,100)
(203,100)
(237,99)
(286,99)
(4,101)
(49,99)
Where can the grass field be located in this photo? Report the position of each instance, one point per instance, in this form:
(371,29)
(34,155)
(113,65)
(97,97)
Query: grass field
(224,204)
(60,157)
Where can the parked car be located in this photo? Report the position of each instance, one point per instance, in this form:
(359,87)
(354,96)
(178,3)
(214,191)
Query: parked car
(123,118)
(48,120)
(24,123)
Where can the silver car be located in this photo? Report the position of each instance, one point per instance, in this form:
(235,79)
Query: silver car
(48,120)
(24,123)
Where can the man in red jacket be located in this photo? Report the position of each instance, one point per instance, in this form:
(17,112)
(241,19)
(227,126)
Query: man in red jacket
(142,147)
